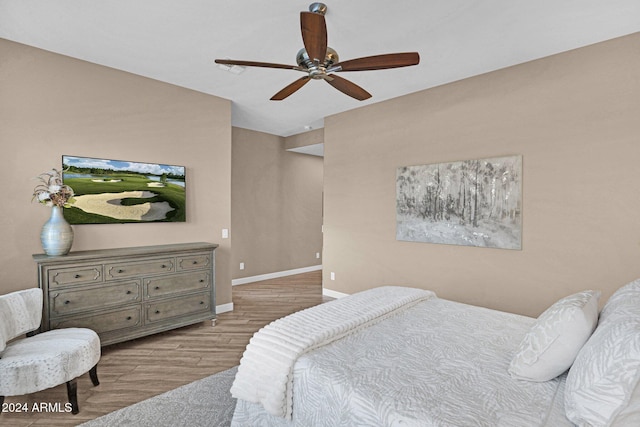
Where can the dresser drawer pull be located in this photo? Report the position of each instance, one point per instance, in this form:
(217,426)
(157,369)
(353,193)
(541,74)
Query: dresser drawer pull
(163,266)
(201,302)
(195,262)
(201,280)
(157,311)
(120,271)
(67,302)
(128,317)
(157,288)
(77,276)
(128,292)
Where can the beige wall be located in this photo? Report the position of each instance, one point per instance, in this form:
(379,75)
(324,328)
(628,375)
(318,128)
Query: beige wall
(52,105)
(311,137)
(575,119)
(276,204)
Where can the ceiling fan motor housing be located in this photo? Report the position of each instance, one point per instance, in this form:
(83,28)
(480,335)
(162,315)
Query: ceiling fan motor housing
(316,71)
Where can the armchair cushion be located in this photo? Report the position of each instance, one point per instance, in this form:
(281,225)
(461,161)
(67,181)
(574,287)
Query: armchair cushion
(47,360)
(20,312)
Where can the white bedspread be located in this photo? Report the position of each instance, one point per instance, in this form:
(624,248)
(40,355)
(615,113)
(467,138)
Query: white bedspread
(438,363)
(265,372)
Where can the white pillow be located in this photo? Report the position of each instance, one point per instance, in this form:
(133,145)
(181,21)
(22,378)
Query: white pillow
(603,385)
(554,340)
(624,302)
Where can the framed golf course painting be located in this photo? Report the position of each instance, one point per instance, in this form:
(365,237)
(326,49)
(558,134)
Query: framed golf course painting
(116,191)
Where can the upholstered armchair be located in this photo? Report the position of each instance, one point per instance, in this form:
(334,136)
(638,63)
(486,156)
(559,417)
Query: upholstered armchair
(44,360)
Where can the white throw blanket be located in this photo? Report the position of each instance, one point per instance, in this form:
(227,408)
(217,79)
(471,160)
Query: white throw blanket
(265,374)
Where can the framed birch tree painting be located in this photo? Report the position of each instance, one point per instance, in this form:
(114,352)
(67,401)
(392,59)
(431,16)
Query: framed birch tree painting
(471,203)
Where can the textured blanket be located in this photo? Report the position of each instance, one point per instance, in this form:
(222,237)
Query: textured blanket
(265,375)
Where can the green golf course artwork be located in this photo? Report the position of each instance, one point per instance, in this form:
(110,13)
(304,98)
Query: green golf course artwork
(116,191)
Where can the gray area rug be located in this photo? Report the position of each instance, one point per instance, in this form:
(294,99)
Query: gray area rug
(206,402)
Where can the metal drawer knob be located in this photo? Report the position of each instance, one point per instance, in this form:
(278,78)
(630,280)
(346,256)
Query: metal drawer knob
(201,280)
(201,302)
(128,317)
(195,262)
(120,271)
(128,292)
(163,266)
(67,302)
(157,311)
(77,276)
(156,288)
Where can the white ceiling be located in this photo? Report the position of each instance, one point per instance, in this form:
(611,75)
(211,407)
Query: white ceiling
(177,41)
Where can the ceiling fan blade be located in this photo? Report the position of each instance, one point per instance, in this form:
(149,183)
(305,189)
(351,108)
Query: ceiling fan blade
(290,89)
(378,62)
(347,87)
(257,64)
(314,35)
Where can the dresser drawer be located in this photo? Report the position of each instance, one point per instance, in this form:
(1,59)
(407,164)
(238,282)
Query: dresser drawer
(74,275)
(193,262)
(156,287)
(102,322)
(194,304)
(128,269)
(69,301)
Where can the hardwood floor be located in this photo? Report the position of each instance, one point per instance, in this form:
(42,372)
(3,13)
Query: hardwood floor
(136,370)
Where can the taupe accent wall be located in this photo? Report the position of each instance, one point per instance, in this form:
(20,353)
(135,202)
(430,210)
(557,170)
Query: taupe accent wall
(276,204)
(52,105)
(574,118)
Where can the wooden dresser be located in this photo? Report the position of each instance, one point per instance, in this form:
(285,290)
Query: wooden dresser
(128,293)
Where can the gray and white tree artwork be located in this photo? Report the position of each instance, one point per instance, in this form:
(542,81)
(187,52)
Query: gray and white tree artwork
(471,203)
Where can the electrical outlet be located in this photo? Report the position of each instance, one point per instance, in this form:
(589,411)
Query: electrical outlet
(242,266)
(225,233)
(333,276)
(318,255)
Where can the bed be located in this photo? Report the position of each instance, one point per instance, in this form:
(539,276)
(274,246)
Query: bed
(396,356)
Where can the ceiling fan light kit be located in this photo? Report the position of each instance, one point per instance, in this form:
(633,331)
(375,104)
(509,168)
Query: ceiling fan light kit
(320,62)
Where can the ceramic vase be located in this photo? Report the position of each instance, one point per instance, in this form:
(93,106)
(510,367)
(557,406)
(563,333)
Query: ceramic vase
(57,234)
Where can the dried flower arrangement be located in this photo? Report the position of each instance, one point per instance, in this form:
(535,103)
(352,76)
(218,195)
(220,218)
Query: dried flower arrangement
(52,191)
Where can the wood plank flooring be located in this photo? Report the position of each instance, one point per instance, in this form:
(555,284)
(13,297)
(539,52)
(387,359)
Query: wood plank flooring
(136,370)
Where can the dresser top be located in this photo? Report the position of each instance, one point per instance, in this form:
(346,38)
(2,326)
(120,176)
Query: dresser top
(130,251)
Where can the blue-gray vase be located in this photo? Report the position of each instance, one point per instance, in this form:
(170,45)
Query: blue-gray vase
(57,234)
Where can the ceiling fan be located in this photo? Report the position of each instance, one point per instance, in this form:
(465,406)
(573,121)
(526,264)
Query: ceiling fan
(319,61)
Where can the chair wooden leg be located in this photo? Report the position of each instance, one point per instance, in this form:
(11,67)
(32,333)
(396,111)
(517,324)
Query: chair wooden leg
(72,392)
(72,389)
(93,373)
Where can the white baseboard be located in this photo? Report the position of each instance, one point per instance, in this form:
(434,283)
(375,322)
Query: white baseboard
(223,308)
(245,280)
(333,294)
